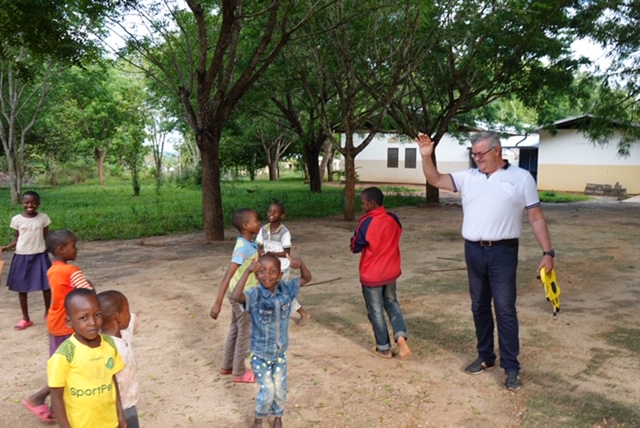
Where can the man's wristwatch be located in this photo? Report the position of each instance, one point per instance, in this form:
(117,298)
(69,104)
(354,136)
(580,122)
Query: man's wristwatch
(551,253)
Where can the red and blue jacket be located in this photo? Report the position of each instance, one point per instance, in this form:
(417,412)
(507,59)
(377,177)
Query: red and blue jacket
(378,238)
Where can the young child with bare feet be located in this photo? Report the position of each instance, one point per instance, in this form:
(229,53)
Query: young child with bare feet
(274,238)
(377,237)
(237,343)
(120,323)
(63,278)
(82,371)
(30,262)
(269,306)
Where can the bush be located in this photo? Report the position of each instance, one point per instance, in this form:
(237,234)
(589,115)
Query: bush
(188,178)
(67,173)
(555,197)
(115,170)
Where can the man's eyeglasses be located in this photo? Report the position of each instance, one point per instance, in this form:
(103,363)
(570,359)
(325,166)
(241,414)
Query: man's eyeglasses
(480,155)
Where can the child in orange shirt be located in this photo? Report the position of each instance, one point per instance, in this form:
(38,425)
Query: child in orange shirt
(63,278)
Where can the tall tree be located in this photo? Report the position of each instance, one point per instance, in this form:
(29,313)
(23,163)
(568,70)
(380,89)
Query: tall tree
(615,25)
(293,88)
(23,88)
(35,37)
(363,61)
(54,29)
(134,117)
(96,110)
(208,57)
(480,52)
(275,143)
(93,113)
(259,120)
(158,128)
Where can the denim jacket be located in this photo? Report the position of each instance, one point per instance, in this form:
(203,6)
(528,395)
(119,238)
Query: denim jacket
(270,318)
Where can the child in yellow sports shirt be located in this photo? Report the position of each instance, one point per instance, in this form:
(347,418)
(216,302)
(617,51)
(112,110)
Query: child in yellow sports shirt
(82,372)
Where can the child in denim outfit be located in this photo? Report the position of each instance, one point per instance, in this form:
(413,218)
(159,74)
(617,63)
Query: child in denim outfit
(269,306)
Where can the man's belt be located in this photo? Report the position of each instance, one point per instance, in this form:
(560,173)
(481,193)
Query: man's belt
(504,242)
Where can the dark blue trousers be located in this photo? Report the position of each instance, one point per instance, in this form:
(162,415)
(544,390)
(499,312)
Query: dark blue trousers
(492,279)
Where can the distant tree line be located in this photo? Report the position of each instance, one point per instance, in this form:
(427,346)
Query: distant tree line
(247,83)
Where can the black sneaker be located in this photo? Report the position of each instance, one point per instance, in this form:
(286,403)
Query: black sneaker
(512,381)
(478,366)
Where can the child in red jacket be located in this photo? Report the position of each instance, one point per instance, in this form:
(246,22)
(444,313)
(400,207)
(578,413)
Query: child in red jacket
(378,238)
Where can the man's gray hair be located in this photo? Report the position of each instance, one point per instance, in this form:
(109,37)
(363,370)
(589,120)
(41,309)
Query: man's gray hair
(492,138)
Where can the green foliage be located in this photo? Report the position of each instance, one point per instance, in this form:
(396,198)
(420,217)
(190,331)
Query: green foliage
(60,29)
(553,196)
(111,212)
(615,105)
(481,52)
(115,170)
(189,177)
(72,172)
(94,112)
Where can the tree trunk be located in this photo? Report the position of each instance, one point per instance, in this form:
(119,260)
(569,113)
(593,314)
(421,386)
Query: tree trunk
(252,167)
(213,221)
(100,166)
(349,186)
(311,155)
(273,168)
(327,156)
(433,193)
(15,181)
(157,158)
(330,169)
(135,179)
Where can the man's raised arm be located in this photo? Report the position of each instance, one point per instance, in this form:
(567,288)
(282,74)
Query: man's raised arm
(441,181)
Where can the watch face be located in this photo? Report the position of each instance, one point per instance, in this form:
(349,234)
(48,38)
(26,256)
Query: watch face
(551,253)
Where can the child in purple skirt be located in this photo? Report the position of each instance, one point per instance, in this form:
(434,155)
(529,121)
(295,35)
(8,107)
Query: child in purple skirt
(30,262)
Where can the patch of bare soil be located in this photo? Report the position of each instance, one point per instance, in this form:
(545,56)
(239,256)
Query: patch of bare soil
(579,370)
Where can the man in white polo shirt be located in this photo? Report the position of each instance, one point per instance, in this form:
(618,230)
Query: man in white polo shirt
(494,196)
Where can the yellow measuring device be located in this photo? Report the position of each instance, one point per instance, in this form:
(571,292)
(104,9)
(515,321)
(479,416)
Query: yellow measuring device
(551,289)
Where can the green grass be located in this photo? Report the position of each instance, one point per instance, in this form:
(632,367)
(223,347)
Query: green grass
(111,211)
(553,196)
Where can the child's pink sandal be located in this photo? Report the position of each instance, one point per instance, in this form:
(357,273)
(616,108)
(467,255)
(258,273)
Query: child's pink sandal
(42,411)
(23,324)
(248,377)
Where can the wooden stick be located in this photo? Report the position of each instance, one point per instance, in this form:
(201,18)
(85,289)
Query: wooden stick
(323,282)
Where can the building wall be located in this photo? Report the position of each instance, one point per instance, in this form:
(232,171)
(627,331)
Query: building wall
(567,161)
(371,163)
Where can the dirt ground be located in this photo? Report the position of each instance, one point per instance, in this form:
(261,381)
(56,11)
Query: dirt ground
(579,370)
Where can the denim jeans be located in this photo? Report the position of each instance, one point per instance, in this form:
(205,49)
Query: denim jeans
(271,377)
(379,300)
(492,277)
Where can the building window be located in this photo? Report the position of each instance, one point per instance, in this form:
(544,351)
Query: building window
(392,157)
(410,158)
